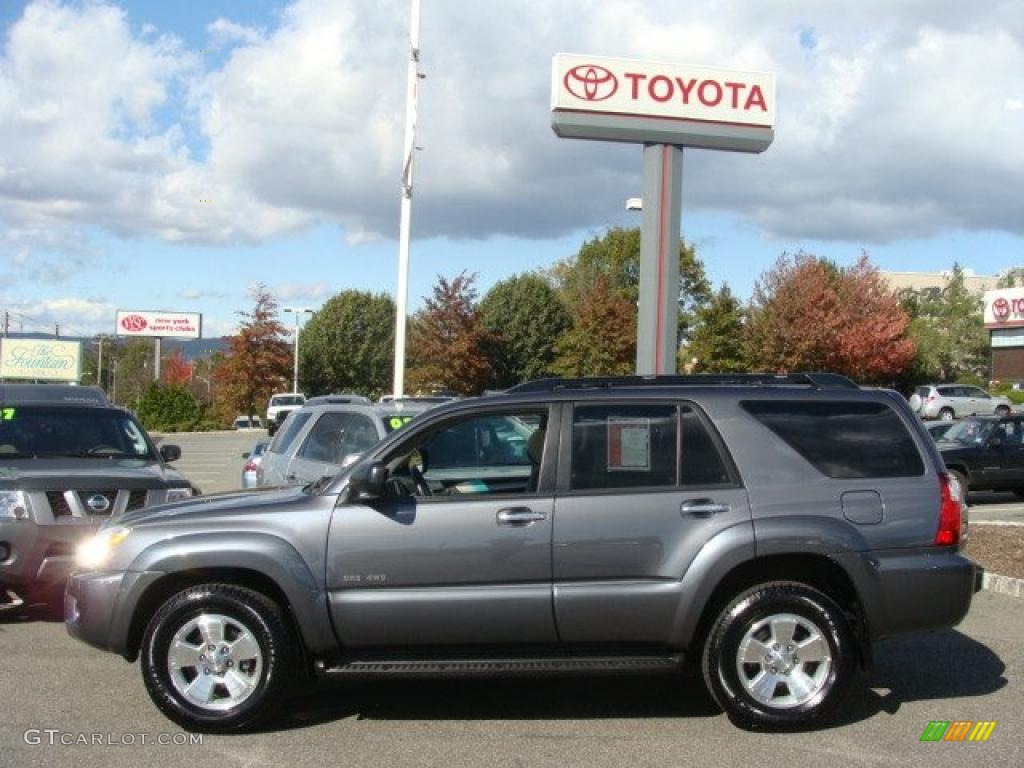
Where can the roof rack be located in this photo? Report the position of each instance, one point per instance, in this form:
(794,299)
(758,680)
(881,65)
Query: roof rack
(812,380)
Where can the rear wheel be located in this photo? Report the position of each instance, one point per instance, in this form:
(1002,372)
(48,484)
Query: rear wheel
(780,655)
(218,657)
(1002,411)
(946,414)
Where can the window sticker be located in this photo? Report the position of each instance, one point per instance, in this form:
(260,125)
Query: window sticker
(397,422)
(7,414)
(629,444)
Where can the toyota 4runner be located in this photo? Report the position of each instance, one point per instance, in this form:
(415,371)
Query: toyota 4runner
(766,528)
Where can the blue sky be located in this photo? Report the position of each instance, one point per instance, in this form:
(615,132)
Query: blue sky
(898,134)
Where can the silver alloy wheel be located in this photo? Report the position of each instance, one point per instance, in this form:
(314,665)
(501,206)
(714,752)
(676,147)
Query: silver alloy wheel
(215,662)
(783,660)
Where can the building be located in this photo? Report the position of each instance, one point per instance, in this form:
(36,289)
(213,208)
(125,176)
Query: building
(920,282)
(1004,319)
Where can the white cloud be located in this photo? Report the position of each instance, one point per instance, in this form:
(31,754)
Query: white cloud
(895,123)
(75,316)
(309,292)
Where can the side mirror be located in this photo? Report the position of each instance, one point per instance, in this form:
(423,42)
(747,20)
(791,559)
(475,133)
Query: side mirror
(170,453)
(368,481)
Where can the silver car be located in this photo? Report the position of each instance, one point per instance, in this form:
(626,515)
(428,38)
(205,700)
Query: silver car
(954,401)
(327,434)
(253,459)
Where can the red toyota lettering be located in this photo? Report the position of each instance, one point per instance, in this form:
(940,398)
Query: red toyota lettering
(735,88)
(656,81)
(685,87)
(635,78)
(756,98)
(702,93)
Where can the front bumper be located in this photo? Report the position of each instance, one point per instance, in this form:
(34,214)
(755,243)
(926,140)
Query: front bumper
(99,606)
(40,557)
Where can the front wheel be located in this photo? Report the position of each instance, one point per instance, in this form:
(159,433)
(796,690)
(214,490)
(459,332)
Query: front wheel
(946,414)
(217,657)
(781,654)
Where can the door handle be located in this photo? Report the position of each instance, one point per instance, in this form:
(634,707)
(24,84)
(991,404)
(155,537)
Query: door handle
(703,508)
(519,516)
(291,477)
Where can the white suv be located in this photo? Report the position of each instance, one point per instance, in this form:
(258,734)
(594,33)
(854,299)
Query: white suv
(282,404)
(951,401)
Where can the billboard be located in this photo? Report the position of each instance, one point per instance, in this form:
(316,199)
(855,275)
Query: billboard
(165,324)
(41,359)
(596,97)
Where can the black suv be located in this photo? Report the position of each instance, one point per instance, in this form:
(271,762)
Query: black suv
(986,453)
(766,528)
(69,461)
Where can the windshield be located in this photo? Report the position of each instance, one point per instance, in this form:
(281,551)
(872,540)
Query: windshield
(30,431)
(286,400)
(970,432)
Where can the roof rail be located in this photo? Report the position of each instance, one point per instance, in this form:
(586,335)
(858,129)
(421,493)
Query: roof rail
(812,380)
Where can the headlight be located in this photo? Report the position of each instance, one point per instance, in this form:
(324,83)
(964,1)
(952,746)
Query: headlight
(13,505)
(178,494)
(93,553)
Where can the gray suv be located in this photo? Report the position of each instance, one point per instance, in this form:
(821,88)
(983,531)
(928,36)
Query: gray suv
(69,461)
(767,529)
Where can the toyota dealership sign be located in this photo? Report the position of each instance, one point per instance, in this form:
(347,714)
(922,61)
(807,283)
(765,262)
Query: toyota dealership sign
(1004,308)
(176,325)
(595,97)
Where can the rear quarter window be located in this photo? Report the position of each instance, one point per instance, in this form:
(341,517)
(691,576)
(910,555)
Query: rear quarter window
(843,439)
(288,432)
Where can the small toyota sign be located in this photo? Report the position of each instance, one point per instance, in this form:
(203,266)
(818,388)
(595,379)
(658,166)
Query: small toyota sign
(1004,308)
(595,97)
(178,325)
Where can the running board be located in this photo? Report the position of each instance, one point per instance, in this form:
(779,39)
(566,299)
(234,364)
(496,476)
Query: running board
(574,665)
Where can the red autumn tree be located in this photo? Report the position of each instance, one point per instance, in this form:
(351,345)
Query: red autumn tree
(258,363)
(174,369)
(807,314)
(448,346)
(602,339)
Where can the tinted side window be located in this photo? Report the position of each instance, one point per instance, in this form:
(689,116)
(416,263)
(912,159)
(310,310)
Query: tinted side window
(700,463)
(324,439)
(948,391)
(843,439)
(286,435)
(623,446)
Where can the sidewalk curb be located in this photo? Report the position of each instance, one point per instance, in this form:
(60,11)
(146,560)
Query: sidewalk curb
(1002,585)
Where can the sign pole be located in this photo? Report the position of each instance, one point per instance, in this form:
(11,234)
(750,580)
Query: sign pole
(658,314)
(156,364)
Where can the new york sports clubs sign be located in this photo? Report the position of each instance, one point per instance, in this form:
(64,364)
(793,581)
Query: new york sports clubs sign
(178,325)
(595,97)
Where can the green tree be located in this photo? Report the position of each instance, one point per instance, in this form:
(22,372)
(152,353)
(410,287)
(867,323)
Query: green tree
(602,339)
(616,255)
(526,316)
(258,362)
(949,331)
(1011,278)
(169,407)
(130,364)
(349,345)
(716,344)
(448,345)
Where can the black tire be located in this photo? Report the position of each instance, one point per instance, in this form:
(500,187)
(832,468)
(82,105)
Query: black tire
(722,671)
(947,414)
(961,478)
(266,622)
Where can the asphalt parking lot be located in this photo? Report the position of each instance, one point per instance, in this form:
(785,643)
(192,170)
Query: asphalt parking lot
(213,460)
(49,681)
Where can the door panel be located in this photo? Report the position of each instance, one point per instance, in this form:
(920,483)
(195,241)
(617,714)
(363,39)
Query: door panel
(619,553)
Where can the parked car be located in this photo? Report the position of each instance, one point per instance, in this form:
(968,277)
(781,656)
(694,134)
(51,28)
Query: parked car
(765,528)
(244,422)
(952,401)
(252,464)
(282,404)
(940,428)
(327,434)
(69,461)
(986,453)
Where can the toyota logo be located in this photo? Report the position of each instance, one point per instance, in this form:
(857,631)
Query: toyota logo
(133,323)
(590,82)
(1001,308)
(98,503)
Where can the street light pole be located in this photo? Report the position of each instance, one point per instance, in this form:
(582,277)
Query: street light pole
(297,311)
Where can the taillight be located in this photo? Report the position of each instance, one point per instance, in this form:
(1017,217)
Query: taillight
(930,398)
(950,511)
(250,466)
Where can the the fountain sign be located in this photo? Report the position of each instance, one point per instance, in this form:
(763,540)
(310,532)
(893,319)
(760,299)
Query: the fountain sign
(40,360)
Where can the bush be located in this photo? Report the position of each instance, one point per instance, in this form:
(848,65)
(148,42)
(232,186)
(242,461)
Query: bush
(168,408)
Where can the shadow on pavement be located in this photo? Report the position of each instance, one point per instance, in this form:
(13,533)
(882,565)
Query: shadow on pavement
(924,666)
(572,698)
(931,665)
